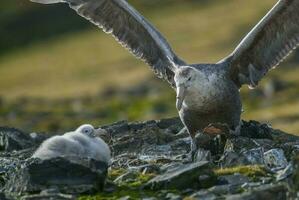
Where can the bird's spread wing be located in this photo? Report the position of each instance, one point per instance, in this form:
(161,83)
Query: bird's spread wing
(130,29)
(268,43)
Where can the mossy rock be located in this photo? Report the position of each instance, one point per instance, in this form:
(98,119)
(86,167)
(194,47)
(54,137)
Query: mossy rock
(251,171)
(184,177)
(130,186)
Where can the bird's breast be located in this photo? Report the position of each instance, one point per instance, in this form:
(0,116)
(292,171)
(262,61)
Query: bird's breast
(210,94)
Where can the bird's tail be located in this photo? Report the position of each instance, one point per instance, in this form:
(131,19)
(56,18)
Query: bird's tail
(48,1)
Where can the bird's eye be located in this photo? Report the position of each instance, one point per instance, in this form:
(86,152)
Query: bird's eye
(87,131)
(189,79)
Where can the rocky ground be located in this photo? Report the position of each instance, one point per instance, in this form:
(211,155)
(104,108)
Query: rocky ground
(150,162)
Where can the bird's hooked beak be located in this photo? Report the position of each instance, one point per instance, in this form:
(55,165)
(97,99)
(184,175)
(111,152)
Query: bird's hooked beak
(181,93)
(100,132)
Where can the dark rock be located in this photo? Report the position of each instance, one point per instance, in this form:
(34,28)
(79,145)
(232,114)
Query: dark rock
(225,189)
(171,123)
(71,177)
(145,140)
(241,144)
(204,178)
(275,159)
(282,138)
(126,178)
(3,196)
(181,145)
(203,155)
(203,195)
(123,127)
(172,196)
(254,129)
(273,192)
(285,173)
(253,156)
(251,185)
(247,151)
(127,159)
(9,161)
(295,176)
(290,149)
(234,179)
(184,176)
(248,157)
(158,138)
(266,180)
(149,169)
(18,155)
(187,191)
(171,166)
(110,186)
(157,149)
(117,127)
(230,158)
(13,139)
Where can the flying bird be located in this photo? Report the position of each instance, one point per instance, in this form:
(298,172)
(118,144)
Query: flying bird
(206,93)
(83,143)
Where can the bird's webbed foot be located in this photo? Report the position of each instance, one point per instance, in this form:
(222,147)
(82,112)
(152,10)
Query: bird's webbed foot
(193,151)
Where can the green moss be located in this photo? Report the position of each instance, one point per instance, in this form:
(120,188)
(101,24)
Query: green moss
(140,180)
(130,187)
(114,173)
(252,171)
(134,182)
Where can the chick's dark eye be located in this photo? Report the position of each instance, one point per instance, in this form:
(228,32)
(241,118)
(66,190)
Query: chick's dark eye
(189,79)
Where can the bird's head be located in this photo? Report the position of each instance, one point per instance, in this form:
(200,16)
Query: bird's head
(87,129)
(90,131)
(184,78)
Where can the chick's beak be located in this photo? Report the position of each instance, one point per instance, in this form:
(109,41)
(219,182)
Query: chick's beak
(103,134)
(98,132)
(181,92)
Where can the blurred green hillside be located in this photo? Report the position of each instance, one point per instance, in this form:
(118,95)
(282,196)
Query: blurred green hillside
(58,71)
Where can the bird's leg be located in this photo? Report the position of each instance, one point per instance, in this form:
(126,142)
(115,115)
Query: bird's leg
(198,153)
(183,132)
(193,151)
(237,130)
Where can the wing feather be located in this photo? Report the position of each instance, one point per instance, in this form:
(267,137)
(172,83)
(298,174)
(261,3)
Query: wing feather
(267,44)
(131,30)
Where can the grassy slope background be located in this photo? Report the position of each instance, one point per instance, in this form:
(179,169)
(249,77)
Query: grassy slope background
(58,71)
